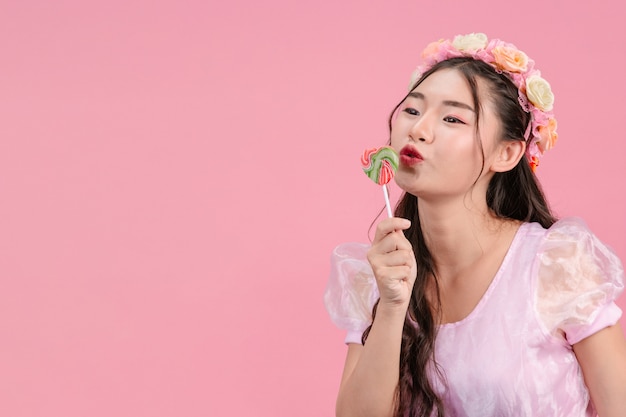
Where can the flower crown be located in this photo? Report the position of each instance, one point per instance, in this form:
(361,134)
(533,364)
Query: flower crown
(535,95)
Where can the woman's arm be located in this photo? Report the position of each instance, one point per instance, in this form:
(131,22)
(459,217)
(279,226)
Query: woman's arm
(371,372)
(602,357)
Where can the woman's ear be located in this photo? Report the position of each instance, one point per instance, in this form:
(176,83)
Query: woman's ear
(509,154)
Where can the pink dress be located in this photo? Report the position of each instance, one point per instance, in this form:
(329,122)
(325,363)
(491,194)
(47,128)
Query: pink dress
(512,355)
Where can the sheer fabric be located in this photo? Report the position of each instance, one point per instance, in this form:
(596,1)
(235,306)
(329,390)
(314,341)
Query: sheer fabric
(512,355)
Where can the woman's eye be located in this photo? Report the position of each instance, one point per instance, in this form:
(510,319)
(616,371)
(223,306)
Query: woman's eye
(412,111)
(451,119)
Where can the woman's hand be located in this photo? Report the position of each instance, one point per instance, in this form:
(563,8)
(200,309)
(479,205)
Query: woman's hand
(393,263)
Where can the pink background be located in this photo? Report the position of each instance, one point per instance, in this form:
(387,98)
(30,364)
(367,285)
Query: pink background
(174,175)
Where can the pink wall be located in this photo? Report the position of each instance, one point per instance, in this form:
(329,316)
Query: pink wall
(174,175)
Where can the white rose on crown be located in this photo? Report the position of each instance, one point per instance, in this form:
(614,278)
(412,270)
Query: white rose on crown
(471,42)
(539,93)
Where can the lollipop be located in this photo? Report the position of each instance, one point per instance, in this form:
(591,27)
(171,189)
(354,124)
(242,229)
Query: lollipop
(380,165)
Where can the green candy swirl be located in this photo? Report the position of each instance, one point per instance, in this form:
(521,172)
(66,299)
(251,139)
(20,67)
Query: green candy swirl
(380,164)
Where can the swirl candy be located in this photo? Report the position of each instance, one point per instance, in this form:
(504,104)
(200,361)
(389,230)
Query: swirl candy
(380,164)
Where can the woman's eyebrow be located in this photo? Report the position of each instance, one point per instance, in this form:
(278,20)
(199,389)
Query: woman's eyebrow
(451,103)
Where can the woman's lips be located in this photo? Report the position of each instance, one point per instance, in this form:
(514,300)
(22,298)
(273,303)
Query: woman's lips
(409,156)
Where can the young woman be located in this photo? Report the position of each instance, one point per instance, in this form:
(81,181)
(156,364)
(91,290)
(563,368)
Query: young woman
(474,300)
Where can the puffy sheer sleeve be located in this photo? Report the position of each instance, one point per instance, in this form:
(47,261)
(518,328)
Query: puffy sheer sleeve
(578,281)
(351,290)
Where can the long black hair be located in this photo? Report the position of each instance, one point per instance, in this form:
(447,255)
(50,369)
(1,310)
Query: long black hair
(515,194)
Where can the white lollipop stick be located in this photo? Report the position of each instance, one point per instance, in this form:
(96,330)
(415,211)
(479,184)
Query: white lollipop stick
(387,204)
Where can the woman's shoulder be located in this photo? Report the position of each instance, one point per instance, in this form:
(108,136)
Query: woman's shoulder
(578,279)
(569,228)
(571,240)
(570,252)
(568,231)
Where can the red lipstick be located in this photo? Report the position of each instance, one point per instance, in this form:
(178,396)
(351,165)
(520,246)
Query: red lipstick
(409,156)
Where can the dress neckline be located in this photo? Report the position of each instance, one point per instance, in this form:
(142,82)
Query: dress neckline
(494,282)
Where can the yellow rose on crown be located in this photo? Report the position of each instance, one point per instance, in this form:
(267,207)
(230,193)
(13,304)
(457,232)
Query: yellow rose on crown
(539,93)
(510,59)
(471,42)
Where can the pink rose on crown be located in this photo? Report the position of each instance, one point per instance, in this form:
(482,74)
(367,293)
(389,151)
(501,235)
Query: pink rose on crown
(548,135)
(510,59)
(431,49)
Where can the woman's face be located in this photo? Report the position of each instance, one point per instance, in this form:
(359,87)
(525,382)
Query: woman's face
(434,132)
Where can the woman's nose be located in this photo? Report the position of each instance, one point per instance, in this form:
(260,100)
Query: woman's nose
(422,129)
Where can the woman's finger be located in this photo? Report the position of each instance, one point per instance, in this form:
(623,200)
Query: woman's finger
(390,225)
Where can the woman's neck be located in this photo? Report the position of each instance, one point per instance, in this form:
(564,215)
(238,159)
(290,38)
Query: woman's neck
(458,234)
